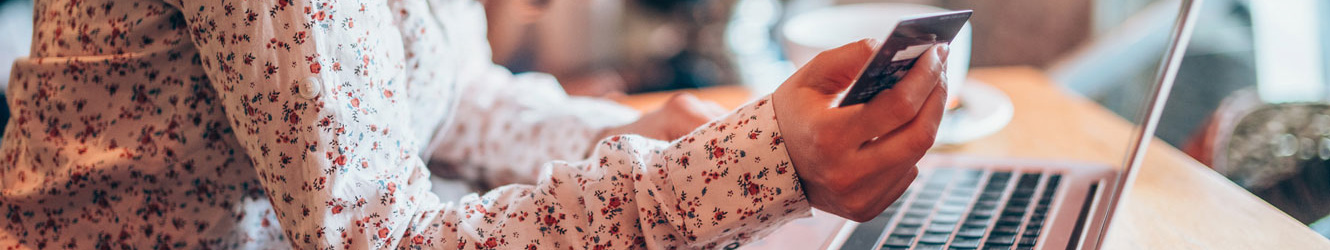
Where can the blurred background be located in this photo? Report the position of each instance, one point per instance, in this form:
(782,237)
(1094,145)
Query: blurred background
(1250,100)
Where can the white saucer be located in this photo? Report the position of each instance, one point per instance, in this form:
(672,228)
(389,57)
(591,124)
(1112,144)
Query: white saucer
(984,110)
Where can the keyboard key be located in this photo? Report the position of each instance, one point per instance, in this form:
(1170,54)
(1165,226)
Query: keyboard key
(919,212)
(1001,240)
(968,231)
(957,189)
(936,183)
(990,210)
(977,223)
(979,217)
(1037,217)
(1030,179)
(1023,192)
(989,204)
(938,238)
(1034,222)
(1054,179)
(927,198)
(930,198)
(1018,204)
(932,194)
(937,180)
(986,207)
(946,218)
(963,199)
(965,242)
(921,207)
(1017,214)
(941,228)
(929,246)
(996,247)
(1034,225)
(990,195)
(1008,221)
(1026,186)
(896,240)
(963,191)
(1014,211)
(970,181)
(951,209)
(1030,232)
(912,220)
(1045,201)
(945,172)
(1027,241)
(1022,201)
(1006,229)
(906,229)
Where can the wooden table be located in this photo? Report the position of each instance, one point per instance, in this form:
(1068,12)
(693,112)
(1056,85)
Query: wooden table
(1177,203)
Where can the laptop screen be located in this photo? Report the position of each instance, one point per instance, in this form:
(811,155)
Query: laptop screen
(1119,73)
(1152,100)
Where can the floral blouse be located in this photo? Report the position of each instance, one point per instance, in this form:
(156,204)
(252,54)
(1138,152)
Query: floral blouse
(276,123)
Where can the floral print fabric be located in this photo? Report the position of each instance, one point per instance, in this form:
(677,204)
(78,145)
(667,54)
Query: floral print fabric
(277,124)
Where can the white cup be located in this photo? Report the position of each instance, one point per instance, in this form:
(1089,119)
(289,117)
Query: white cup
(811,32)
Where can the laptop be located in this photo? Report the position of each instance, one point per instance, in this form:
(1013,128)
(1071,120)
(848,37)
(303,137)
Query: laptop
(960,202)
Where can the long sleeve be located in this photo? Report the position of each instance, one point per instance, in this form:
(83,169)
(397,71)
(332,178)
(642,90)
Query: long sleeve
(514,123)
(315,93)
(726,183)
(506,125)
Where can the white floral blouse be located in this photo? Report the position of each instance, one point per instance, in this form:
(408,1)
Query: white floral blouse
(275,123)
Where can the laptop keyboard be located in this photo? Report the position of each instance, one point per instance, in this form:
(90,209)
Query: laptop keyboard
(955,208)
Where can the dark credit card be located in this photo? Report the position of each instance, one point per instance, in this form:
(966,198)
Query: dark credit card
(908,41)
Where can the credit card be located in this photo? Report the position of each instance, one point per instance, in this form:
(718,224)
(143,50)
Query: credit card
(907,42)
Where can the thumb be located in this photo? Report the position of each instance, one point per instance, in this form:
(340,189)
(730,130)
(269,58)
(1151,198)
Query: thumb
(831,71)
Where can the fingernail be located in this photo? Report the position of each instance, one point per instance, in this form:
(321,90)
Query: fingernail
(872,43)
(944,50)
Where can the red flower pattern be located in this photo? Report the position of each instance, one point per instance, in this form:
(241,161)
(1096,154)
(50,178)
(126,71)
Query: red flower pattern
(214,124)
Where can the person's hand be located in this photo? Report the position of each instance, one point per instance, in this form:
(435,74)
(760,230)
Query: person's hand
(680,115)
(855,161)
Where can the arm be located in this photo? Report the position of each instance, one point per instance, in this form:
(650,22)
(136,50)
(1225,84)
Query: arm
(728,182)
(511,124)
(508,125)
(334,154)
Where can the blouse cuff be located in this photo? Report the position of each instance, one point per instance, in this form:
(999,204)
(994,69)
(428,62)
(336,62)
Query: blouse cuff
(740,170)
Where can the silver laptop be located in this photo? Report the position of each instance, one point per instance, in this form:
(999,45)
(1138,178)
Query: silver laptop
(985,203)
